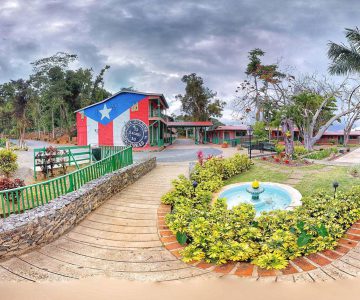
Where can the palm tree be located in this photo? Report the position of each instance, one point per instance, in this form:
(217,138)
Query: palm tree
(345,59)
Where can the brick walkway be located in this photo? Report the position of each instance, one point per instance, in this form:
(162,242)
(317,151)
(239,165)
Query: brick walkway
(121,239)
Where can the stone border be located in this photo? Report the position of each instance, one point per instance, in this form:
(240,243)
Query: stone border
(20,233)
(297,267)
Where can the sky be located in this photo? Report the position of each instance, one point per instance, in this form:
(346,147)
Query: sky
(151,44)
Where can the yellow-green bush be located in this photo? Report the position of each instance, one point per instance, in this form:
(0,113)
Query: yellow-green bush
(217,234)
(8,164)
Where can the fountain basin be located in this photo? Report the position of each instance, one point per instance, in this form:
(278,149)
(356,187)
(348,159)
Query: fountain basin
(272,196)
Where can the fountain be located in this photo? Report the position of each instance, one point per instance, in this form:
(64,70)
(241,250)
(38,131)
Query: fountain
(255,190)
(265,196)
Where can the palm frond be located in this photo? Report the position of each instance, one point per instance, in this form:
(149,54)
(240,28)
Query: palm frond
(344,59)
(353,36)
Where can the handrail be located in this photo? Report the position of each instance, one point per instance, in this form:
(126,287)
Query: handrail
(24,198)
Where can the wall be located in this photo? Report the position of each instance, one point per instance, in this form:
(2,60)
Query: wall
(39,226)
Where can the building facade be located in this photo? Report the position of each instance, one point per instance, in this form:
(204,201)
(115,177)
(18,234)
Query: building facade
(127,118)
(228,133)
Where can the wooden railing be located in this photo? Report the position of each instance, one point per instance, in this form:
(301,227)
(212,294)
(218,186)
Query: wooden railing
(24,198)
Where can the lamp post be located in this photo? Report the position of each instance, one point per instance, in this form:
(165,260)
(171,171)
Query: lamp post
(335,186)
(250,131)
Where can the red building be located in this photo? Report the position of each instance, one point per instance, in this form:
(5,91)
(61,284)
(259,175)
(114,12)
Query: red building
(228,133)
(131,118)
(126,118)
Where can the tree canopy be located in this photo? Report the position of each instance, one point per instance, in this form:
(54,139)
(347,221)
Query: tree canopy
(199,102)
(47,99)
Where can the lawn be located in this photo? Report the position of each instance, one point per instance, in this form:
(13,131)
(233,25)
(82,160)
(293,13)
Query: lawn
(262,173)
(324,179)
(310,178)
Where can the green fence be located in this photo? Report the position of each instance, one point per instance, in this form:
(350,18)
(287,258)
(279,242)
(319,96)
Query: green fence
(24,198)
(73,155)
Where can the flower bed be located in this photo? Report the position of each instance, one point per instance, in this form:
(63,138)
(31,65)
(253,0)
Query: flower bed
(322,154)
(277,159)
(217,235)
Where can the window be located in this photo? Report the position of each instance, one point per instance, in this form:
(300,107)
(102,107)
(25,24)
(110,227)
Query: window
(239,133)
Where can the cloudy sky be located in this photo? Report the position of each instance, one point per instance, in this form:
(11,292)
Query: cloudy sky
(150,44)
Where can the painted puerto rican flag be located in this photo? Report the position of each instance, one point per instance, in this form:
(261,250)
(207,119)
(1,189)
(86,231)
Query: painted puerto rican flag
(102,123)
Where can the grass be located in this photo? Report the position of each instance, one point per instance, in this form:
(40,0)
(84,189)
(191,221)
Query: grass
(315,177)
(261,173)
(323,180)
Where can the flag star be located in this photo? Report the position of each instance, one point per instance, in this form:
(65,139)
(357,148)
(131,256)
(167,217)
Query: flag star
(105,112)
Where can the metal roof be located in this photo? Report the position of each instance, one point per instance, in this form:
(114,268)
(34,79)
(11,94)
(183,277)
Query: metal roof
(129,92)
(231,127)
(190,124)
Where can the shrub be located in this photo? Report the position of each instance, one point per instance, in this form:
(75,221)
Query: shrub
(7,183)
(322,153)
(8,164)
(279,148)
(3,142)
(217,234)
(299,150)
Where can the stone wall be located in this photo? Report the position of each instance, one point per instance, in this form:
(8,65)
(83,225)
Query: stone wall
(39,226)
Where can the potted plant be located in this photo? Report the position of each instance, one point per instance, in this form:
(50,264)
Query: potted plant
(225,144)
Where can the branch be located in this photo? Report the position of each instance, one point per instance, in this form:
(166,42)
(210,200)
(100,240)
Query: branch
(333,119)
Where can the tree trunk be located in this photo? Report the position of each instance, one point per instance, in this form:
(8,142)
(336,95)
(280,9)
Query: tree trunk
(53,123)
(288,133)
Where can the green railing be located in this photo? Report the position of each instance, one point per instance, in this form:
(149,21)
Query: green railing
(74,155)
(110,150)
(157,114)
(24,198)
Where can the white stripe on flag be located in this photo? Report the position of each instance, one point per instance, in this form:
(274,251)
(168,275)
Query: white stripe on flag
(118,124)
(92,132)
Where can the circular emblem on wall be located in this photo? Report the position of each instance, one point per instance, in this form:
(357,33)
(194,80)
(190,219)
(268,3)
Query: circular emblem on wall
(135,133)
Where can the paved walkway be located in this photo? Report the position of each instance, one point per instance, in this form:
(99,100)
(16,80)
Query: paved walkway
(120,239)
(351,158)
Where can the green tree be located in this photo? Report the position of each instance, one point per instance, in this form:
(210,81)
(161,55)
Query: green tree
(265,86)
(199,102)
(310,114)
(61,91)
(260,131)
(346,59)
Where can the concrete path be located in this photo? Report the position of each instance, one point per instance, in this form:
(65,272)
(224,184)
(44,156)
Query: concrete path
(120,239)
(351,158)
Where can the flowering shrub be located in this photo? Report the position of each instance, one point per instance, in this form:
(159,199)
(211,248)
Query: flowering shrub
(7,184)
(217,234)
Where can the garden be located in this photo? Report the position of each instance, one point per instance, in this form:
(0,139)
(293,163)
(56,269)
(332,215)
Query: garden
(215,233)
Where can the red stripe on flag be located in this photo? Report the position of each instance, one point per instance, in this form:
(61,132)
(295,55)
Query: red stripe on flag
(142,112)
(81,125)
(106,136)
